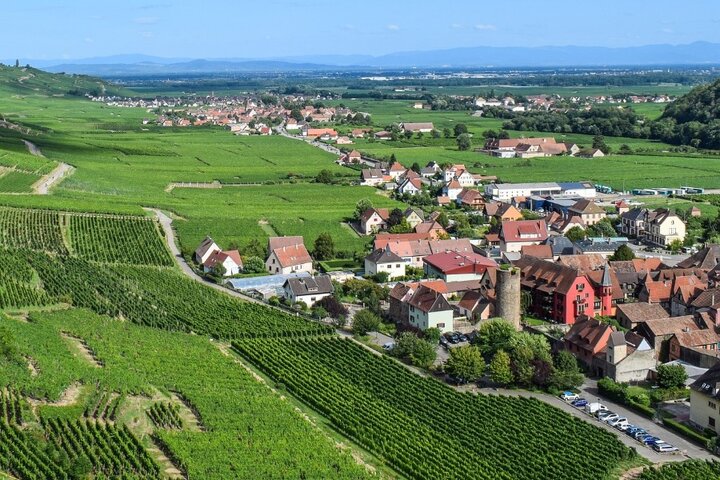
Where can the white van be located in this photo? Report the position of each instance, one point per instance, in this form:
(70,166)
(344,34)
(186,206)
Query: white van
(591,408)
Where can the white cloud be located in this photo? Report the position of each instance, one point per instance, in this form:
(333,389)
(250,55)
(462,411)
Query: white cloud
(456,25)
(668,30)
(485,26)
(145,20)
(392,27)
(88,40)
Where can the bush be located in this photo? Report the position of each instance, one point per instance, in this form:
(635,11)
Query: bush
(365,321)
(686,431)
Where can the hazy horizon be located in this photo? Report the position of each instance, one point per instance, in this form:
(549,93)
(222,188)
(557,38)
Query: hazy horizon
(290,28)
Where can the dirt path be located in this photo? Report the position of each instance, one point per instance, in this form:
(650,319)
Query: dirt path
(83,349)
(69,397)
(43,186)
(168,467)
(33,149)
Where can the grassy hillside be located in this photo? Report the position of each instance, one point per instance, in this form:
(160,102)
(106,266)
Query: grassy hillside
(31,81)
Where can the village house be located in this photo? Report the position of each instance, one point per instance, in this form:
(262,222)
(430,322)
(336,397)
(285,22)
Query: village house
(428,308)
(659,226)
(605,246)
(627,358)
(384,260)
(456,267)
(206,248)
(659,331)
(475,306)
(705,398)
(229,261)
(413,217)
(401,293)
(590,153)
(410,186)
(287,255)
(588,211)
(471,199)
(629,315)
(426,127)
(433,229)
(561,293)
(452,190)
(680,342)
(373,220)
(587,338)
(516,234)
(373,177)
(308,290)
(413,247)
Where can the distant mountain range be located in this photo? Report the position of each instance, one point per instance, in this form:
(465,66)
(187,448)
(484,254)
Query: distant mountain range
(698,53)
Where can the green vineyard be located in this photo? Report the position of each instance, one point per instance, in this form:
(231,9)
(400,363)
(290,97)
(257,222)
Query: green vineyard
(112,451)
(427,430)
(11,410)
(103,405)
(165,415)
(99,238)
(33,229)
(25,457)
(688,470)
(152,296)
(131,240)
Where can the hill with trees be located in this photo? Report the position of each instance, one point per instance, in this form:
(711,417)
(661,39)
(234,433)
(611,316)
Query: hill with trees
(693,119)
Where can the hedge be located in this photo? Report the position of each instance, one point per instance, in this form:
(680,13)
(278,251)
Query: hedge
(686,431)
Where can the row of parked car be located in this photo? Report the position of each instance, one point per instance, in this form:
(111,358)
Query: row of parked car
(453,338)
(603,414)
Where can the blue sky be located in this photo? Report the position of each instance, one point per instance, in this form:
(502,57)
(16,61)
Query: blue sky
(52,29)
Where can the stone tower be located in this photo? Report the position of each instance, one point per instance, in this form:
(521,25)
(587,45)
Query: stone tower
(507,295)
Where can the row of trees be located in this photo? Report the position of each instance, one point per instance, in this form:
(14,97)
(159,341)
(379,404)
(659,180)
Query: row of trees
(524,359)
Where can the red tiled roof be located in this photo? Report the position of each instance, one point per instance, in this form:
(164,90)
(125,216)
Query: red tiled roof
(533,230)
(539,251)
(292,256)
(456,263)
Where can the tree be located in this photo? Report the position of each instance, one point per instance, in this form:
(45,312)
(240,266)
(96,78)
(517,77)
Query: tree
(319,312)
(625,149)
(494,335)
(17,63)
(671,376)
(567,375)
(332,306)
(432,335)
(447,133)
(443,219)
(599,143)
(324,176)
(463,142)
(603,228)
(295,113)
(676,245)
(254,248)
(324,247)
(402,227)
(575,234)
(405,344)
(253,265)
(361,206)
(365,321)
(459,129)
(466,363)
(415,167)
(395,218)
(423,355)
(500,371)
(521,361)
(622,253)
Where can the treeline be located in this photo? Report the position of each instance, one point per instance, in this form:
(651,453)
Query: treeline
(693,119)
(612,122)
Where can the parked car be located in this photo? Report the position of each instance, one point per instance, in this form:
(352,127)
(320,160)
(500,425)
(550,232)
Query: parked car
(579,403)
(623,427)
(592,408)
(569,396)
(608,417)
(602,412)
(462,337)
(664,448)
(388,346)
(641,436)
(639,432)
(453,338)
(650,439)
(617,421)
(443,341)
(455,380)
